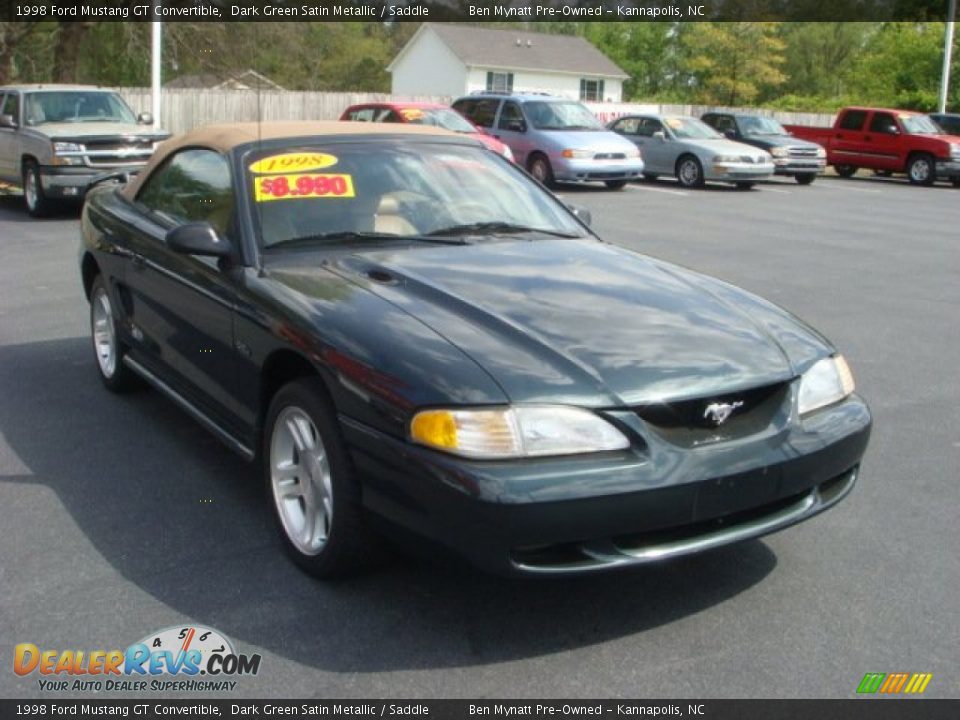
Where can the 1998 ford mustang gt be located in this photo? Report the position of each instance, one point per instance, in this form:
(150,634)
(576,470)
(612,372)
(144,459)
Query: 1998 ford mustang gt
(402,326)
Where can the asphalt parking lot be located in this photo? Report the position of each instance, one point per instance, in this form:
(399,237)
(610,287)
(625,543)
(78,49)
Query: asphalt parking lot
(121,516)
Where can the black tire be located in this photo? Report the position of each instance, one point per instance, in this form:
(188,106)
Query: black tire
(116,376)
(539,167)
(689,172)
(650,177)
(615,184)
(745,185)
(956,181)
(34,199)
(805,178)
(347,545)
(845,171)
(922,169)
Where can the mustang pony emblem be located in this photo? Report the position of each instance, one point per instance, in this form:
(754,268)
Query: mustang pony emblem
(719,413)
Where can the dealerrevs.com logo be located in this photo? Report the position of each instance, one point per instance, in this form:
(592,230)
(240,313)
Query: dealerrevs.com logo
(191,658)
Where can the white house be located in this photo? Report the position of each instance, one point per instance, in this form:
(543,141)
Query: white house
(454,60)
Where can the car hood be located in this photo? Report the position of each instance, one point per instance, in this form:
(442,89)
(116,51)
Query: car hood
(598,141)
(772,141)
(98,129)
(586,323)
(722,146)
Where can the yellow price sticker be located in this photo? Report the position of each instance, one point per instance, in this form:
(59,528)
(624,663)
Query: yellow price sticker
(302,185)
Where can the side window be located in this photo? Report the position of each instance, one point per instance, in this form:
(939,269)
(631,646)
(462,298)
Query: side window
(192,186)
(484,112)
(883,123)
(853,120)
(722,123)
(627,126)
(361,115)
(465,108)
(511,117)
(388,116)
(649,126)
(11,106)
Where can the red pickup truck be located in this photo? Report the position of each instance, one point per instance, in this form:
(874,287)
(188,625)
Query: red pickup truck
(887,141)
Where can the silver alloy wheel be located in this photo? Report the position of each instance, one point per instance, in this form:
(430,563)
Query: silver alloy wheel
(31,193)
(301,480)
(920,170)
(538,168)
(104,334)
(689,172)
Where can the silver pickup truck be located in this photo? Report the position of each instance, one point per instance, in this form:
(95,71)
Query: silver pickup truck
(55,140)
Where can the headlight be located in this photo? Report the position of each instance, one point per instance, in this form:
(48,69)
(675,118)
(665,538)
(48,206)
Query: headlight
(821,153)
(513,432)
(66,147)
(779,152)
(727,159)
(827,382)
(577,154)
(507,152)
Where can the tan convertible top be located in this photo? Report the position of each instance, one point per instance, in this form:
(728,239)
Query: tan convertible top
(225,137)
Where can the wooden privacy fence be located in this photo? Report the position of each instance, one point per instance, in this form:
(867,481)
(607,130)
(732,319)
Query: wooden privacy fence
(184,109)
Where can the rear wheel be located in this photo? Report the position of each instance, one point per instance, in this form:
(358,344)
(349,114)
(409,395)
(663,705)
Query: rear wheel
(921,169)
(311,484)
(845,171)
(107,348)
(650,177)
(616,184)
(806,178)
(690,172)
(34,199)
(540,168)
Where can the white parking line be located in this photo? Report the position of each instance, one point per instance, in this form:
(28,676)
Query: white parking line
(680,193)
(764,188)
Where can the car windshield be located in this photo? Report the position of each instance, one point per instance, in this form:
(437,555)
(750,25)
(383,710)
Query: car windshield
(379,190)
(919,125)
(76,106)
(688,128)
(438,117)
(757,125)
(560,116)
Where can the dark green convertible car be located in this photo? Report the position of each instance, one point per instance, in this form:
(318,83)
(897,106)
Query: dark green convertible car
(409,333)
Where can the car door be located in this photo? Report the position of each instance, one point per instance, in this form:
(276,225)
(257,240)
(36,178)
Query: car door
(9,157)
(848,145)
(659,148)
(882,142)
(512,129)
(181,306)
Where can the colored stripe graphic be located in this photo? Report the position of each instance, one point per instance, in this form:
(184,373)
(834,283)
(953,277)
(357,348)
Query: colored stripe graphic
(871,682)
(894,683)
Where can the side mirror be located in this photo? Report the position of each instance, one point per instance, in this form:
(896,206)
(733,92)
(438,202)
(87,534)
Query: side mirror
(8,121)
(198,238)
(660,135)
(730,134)
(145,118)
(581,213)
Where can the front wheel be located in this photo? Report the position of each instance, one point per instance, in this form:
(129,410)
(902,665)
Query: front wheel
(540,168)
(690,172)
(34,198)
(107,348)
(311,484)
(616,184)
(845,171)
(921,169)
(806,178)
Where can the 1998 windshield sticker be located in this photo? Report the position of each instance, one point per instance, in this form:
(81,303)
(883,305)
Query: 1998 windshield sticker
(293,162)
(175,659)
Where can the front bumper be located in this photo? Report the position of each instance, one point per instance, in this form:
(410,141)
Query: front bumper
(948,168)
(739,172)
(590,513)
(66,181)
(799,166)
(570,170)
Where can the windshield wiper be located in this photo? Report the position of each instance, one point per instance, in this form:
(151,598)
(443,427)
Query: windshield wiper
(493,228)
(353,235)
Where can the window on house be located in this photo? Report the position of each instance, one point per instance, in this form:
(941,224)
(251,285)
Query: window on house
(499,82)
(591,90)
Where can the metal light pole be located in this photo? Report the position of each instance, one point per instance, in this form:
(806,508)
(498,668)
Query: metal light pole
(947,56)
(156,53)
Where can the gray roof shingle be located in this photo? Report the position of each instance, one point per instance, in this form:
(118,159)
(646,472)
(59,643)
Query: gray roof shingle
(524,50)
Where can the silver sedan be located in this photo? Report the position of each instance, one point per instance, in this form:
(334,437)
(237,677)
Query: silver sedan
(692,151)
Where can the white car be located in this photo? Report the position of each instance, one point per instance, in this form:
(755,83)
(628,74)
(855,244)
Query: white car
(692,151)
